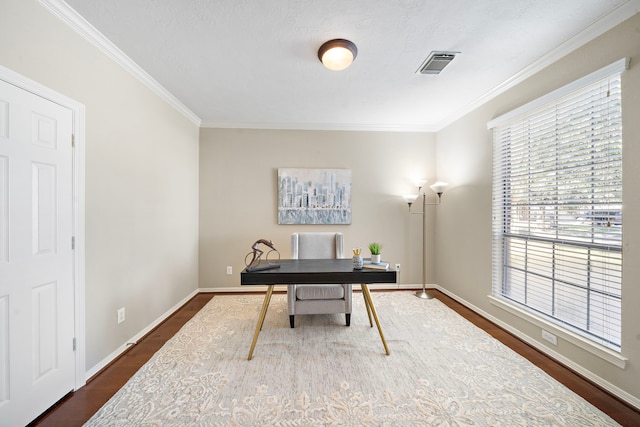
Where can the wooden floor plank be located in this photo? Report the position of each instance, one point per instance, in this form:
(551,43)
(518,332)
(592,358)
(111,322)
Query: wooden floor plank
(78,407)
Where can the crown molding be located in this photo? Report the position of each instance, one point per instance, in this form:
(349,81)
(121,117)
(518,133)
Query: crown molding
(360,127)
(606,23)
(71,18)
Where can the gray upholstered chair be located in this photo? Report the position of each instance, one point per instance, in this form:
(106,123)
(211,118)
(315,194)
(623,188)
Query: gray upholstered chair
(318,299)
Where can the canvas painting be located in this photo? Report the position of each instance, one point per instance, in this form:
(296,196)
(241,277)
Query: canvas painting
(314,196)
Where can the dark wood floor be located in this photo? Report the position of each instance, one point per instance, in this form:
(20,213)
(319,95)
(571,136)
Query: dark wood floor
(78,407)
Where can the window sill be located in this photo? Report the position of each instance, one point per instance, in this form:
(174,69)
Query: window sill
(600,351)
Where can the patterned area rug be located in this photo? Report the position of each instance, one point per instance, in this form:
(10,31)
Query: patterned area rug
(442,371)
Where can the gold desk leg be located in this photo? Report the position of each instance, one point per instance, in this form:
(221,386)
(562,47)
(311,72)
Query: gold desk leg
(367,297)
(263,313)
(366,304)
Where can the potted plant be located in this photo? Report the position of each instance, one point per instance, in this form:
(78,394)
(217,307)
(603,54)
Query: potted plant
(375,249)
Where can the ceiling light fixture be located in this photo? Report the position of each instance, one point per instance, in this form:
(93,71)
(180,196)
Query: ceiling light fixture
(337,54)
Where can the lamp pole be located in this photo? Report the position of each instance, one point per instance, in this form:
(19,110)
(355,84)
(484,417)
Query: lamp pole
(423,293)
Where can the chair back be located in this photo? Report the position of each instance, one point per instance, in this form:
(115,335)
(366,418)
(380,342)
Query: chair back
(317,245)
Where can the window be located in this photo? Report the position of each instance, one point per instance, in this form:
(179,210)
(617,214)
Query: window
(557,207)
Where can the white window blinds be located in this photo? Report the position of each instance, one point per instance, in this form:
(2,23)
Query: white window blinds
(557,207)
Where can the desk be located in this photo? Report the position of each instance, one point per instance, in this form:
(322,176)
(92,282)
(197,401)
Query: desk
(313,272)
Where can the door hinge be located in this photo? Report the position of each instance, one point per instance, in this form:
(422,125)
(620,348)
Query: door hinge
(73,140)
(73,242)
(75,344)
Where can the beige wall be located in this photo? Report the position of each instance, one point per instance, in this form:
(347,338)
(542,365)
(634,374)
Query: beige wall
(464,223)
(141,177)
(238,194)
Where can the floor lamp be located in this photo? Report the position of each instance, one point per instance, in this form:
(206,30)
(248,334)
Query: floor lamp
(438,188)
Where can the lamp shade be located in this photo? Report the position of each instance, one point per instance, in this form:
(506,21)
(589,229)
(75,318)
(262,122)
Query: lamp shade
(439,187)
(410,198)
(337,54)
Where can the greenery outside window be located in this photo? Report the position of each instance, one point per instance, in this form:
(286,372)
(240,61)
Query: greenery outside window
(557,207)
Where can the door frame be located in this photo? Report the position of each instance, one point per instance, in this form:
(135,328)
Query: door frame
(78,208)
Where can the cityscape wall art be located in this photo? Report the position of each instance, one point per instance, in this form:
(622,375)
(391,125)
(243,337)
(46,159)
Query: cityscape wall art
(314,196)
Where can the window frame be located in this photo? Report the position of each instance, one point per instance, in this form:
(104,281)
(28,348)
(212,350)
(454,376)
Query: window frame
(502,232)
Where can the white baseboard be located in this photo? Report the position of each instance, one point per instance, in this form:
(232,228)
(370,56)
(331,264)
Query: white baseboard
(611,388)
(134,340)
(257,288)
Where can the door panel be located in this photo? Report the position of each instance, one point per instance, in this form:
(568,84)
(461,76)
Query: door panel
(36,258)
(4,208)
(43,197)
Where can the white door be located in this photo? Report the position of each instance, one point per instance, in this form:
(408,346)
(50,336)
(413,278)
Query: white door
(36,262)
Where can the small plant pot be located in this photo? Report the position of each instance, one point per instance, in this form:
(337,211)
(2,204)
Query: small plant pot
(375,258)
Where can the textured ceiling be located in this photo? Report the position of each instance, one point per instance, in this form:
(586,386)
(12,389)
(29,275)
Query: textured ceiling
(250,63)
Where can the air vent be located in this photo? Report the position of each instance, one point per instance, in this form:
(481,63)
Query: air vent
(436,62)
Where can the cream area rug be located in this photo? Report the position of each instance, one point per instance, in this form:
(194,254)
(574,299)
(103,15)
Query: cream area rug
(442,371)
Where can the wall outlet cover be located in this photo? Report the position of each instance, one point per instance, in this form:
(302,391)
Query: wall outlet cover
(548,336)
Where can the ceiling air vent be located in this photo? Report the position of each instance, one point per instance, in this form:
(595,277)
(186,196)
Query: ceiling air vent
(436,62)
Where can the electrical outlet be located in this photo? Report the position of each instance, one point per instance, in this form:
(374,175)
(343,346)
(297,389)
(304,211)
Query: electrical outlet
(548,336)
(121,315)
(398,268)
(229,269)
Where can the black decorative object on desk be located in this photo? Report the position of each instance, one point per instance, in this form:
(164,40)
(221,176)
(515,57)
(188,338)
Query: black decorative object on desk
(256,254)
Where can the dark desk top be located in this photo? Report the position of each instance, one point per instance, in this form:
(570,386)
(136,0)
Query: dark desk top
(315,271)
